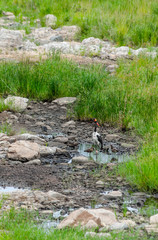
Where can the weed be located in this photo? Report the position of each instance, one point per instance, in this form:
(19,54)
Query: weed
(6,128)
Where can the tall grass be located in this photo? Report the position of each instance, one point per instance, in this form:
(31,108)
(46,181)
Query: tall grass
(129,99)
(126,22)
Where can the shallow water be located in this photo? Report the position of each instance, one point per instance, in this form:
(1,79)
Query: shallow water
(48,137)
(101,157)
(9,189)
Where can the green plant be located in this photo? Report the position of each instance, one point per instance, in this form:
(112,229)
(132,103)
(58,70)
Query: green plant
(6,128)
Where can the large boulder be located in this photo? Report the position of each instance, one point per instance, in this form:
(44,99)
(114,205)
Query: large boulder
(16,103)
(89,218)
(11,38)
(23,151)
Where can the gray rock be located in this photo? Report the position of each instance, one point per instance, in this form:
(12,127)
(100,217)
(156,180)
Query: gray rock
(45,151)
(63,152)
(51,20)
(11,38)
(118,226)
(112,137)
(68,124)
(17,103)
(80,160)
(153,228)
(129,222)
(56,38)
(23,151)
(127,145)
(28,46)
(100,184)
(154,219)
(61,139)
(30,137)
(65,100)
(34,162)
(113,195)
(63,47)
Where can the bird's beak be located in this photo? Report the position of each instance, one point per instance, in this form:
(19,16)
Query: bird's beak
(98,124)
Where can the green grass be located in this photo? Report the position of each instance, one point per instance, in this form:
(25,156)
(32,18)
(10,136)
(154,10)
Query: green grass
(20,225)
(125,22)
(129,100)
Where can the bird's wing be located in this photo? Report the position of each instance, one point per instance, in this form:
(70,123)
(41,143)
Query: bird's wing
(99,138)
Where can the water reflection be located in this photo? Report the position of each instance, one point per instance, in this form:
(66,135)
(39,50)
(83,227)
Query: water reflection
(101,157)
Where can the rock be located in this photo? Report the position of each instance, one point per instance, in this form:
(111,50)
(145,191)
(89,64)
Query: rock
(69,32)
(10,38)
(129,222)
(81,217)
(57,38)
(97,235)
(68,124)
(28,46)
(23,151)
(62,47)
(61,139)
(4,144)
(17,103)
(119,226)
(47,212)
(30,137)
(154,219)
(46,35)
(112,137)
(45,151)
(91,224)
(65,100)
(153,228)
(114,195)
(80,160)
(8,15)
(56,195)
(63,152)
(51,20)
(127,145)
(34,162)
(122,51)
(100,184)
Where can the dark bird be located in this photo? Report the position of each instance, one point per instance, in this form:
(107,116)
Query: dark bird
(97,139)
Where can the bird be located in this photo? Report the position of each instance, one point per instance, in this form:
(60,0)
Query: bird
(89,150)
(97,139)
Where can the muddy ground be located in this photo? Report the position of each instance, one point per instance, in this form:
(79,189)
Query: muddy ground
(78,181)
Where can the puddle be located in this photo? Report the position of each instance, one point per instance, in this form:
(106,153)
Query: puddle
(9,189)
(100,156)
